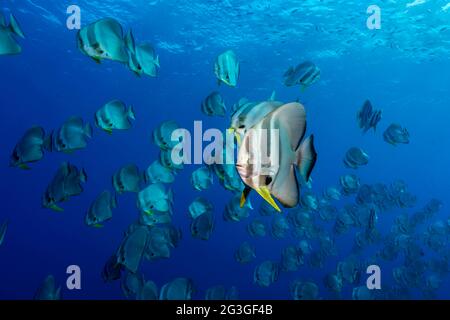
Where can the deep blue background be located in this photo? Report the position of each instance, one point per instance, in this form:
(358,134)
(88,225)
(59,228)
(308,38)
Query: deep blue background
(51,81)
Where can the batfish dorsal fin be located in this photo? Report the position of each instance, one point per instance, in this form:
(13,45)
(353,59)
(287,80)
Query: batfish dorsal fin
(292,118)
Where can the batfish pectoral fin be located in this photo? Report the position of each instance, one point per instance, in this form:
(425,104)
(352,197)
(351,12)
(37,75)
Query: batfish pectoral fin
(244,195)
(265,193)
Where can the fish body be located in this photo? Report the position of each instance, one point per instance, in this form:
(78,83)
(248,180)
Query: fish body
(30,148)
(132,248)
(104,39)
(72,136)
(396,134)
(128,179)
(266,273)
(114,115)
(356,157)
(155,197)
(277,175)
(100,210)
(67,182)
(304,74)
(245,253)
(201,178)
(214,105)
(227,69)
(162,135)
(177,289)
(368,117)
(202,226)
(199,206)
(157,173)
(144,60)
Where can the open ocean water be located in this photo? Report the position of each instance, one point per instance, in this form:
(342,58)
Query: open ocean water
(403,68)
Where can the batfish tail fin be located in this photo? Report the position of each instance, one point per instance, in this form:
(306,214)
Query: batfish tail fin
(306,157)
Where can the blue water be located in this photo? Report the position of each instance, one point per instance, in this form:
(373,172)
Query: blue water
(403,70)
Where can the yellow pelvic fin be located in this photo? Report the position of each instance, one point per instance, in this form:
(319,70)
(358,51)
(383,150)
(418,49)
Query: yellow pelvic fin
(265,193)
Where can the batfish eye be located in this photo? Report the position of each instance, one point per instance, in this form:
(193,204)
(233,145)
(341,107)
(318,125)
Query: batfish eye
(241,126)
(268,180)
